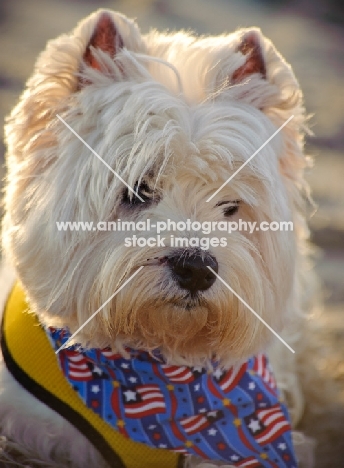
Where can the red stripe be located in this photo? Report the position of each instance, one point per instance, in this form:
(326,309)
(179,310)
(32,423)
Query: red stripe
(269,436)
(199,421)
(261,368)
(148,388)
(178,374)
(197,429)
(63,361)
(248,462)
(176,431)
(145,412)
(245,441)
(152,396)
(139,405)
(110,355)
(117,410)
(212,387)
(76,357)
(199,452)
(78,366)
(156,370)
(174,403)
(173,399)
(216,392)
(273,414)
(263,412)
(80,378)
(115,403)
(234,382)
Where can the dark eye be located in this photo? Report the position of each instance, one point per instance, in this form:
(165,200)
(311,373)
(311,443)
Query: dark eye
(231,209)
(142,190)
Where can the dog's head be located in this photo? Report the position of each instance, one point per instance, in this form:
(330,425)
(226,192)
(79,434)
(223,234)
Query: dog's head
(174,116)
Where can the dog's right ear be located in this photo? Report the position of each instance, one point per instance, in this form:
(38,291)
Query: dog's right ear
(100,38)
(105,37)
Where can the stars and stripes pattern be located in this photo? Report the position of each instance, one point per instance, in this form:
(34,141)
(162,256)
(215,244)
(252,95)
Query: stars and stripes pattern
(79,368)
(263,369)
(181,374)
(143,400)
(233,415)
(267,424)
(199,422)
(227,380)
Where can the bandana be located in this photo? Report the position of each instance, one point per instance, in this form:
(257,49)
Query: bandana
(234,415)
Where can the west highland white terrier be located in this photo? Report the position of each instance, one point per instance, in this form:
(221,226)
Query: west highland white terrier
(143,350)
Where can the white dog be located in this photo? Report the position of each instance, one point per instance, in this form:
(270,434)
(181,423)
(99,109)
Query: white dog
(173,117)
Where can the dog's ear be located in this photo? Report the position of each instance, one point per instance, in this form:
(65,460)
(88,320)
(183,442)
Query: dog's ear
(105,37)
(250,46)
(258,75)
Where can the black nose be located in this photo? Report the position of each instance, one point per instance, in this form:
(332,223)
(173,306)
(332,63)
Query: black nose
(192,273)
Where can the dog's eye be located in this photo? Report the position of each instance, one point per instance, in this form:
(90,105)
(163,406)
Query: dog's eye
(142,190)
(231,209)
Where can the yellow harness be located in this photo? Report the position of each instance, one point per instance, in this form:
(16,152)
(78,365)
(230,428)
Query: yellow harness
(31,360)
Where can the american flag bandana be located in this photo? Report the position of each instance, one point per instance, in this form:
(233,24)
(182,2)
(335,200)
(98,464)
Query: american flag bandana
(234,415)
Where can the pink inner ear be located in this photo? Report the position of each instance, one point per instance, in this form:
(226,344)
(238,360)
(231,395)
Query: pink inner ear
(255,63)
(104,37)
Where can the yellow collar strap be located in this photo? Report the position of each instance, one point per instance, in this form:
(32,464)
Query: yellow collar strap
(31,360)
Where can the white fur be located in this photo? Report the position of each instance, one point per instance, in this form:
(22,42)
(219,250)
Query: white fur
(164,110)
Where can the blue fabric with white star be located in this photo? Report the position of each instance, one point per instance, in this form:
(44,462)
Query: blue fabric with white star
(231,415)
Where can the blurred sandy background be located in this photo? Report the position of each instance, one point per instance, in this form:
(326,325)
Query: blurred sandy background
(310,34)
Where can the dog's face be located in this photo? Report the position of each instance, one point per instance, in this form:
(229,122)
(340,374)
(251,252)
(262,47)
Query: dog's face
(175,117)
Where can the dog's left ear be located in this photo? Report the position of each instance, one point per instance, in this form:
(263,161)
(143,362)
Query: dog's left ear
(258,75)
(253,71)
(251,47)
(105,37)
